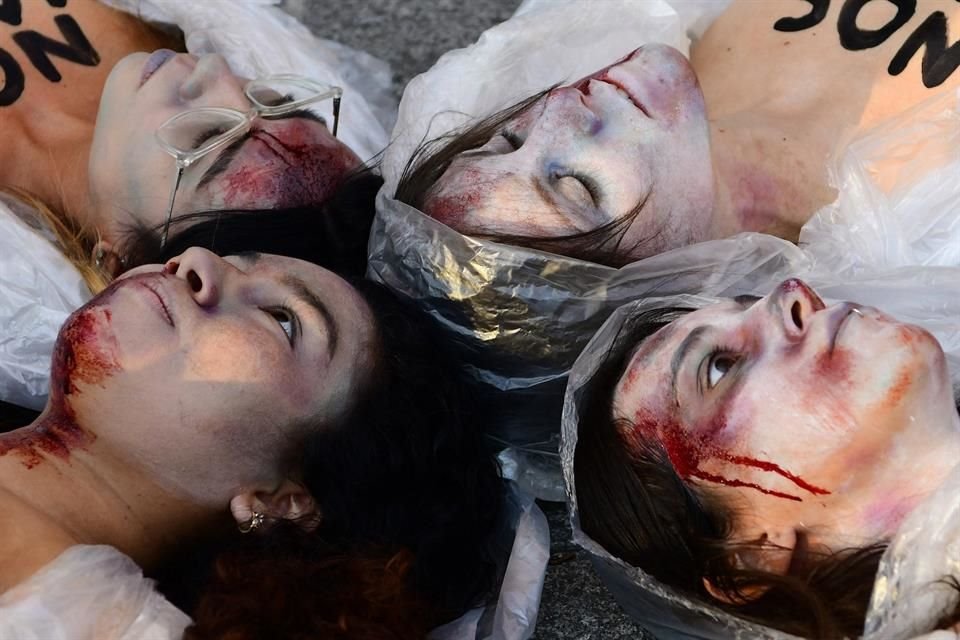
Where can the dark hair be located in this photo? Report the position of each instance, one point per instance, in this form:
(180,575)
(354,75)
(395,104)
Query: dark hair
(332,234)
(603,245)
(409,498)
(635,504)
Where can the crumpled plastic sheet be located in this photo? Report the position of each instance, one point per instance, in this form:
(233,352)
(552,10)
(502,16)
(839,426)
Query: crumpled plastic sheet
(39,288)
(526,543)
(256,38)
(89,593)
(520,317)
(909,597)
(666,612)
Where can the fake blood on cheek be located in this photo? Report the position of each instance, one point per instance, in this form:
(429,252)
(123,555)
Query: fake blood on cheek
(287,169)
(689,451)
(83,355)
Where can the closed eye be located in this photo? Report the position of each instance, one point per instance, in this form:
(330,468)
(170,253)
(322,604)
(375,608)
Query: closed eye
(512,139)
(579,189)
(207,135)
(287,321)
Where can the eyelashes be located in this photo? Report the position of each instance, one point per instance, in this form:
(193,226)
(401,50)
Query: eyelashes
(716,366)
(287,320)
(512,139)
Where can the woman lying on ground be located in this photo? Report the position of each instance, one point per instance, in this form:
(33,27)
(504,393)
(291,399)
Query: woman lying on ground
(122,140)
(759,454)
(656,152)
(259,392)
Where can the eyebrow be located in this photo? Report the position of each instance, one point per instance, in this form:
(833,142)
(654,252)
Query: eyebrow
(692,339)
(303,292)
(227,155)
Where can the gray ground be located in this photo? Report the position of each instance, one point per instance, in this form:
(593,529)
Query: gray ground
(411,35)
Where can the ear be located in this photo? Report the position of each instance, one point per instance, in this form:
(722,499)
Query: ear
(106,258)
(770,553)
(289,501)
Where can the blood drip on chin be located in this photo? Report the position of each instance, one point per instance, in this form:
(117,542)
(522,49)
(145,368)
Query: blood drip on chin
(84,354)
(688,451)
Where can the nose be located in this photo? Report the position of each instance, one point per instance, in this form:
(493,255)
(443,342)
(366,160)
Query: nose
(203,271)
(213,77)
(796,303)
(566,107)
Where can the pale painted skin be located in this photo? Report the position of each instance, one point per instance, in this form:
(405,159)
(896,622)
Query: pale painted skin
(779,106)
(284,162)
(855,404)
(217,400)
(630,134)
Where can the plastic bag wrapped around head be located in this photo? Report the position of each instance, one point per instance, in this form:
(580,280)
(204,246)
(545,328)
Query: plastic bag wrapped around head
(522,315)
(910,597)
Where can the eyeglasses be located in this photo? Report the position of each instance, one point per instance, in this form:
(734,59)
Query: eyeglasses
(191,135)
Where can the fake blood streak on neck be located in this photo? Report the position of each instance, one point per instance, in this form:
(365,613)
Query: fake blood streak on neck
(82,356)
(687,453)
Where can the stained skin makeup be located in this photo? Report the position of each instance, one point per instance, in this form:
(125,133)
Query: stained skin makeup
(288,161)
(805,417)
(764,111)
(174,391)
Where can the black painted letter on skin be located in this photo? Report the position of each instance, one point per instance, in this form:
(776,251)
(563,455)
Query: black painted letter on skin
(939,61)
(853,38)
(817,13)
(39,47)
(12,79)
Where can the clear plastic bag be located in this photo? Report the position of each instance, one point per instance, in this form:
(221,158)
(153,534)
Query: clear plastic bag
(89,593)
(908,599)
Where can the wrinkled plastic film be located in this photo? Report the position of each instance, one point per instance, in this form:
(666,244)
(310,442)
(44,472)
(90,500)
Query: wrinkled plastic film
(666,612)
(526,545)
(89,593)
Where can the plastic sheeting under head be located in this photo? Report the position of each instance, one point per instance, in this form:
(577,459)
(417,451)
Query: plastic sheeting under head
(665,611)
(909,595)
(520,317)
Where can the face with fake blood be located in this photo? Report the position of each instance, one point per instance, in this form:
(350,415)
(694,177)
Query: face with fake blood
(209,372)
(631,137)
(285,161)
(806,417)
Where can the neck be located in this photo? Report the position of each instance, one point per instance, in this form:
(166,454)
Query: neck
(63,491)
(52,164)
(767,179)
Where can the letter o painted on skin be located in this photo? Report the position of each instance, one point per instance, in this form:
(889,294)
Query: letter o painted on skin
(853,38)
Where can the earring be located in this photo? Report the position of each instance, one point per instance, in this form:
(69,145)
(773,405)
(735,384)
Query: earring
(252,524)
(98,257)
